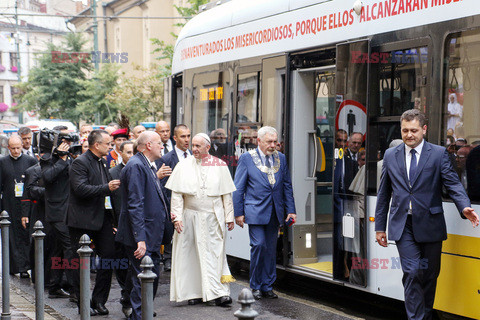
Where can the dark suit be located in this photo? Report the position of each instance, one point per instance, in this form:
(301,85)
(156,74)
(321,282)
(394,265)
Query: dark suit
(418,235)
(265,207)
(116,195)
(169,148)
(170,159)
(142,218)
(89,179)
(34,206)
(123,275)
(56,179)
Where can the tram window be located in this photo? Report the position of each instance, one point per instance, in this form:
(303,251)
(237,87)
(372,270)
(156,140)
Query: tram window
(248,109)
(401,84)
(402,81)
(461,108)
(210,109)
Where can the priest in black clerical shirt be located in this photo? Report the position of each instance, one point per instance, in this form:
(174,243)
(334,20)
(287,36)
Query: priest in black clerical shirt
(12,175)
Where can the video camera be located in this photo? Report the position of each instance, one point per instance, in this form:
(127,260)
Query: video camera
(49,140)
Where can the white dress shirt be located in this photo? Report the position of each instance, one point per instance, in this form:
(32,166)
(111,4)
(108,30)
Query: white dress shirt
(180,153)
(408,160)
(169,145)
(28,152)
(408,156)
(262,155)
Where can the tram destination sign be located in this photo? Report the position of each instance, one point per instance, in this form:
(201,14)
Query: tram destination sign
(316,25)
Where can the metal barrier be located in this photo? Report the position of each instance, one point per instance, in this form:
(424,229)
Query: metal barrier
(38,237)
(5,225)
(84,252)
(245,298)
(147,276)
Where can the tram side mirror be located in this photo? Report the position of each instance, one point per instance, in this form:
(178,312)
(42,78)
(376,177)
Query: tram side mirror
(357,7)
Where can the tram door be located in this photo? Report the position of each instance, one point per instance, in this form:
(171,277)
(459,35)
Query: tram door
(328,121)
(311,158)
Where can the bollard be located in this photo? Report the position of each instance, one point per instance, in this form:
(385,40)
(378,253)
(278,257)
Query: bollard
(146,277)
(245,298)
(38,236)
(84,252)
(5,225)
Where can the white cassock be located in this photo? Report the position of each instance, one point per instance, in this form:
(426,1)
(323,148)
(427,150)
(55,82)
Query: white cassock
(202,200)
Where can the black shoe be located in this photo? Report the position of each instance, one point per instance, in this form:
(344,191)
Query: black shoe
(257,294)
(24,275)
(73,298)
(269,295)
(225,301)
(100,308)
(58,294)
(167,265)
(192,302)
(211,303)
(93,312)
(154,314)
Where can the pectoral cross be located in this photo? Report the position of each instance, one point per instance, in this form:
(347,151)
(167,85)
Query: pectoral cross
(203,177)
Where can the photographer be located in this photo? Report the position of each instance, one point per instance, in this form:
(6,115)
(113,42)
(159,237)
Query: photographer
(55,164)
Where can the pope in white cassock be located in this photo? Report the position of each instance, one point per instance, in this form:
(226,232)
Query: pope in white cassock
(202,210)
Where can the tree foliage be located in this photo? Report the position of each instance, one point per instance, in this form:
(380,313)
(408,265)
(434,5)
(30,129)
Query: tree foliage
(165,50)
(139,95)
(94,101)
(52,89)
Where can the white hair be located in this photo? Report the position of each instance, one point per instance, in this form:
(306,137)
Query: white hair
(266,130)
(395,143)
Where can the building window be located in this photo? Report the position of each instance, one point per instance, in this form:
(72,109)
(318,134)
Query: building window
(13,92)
(13,60)
(2,97)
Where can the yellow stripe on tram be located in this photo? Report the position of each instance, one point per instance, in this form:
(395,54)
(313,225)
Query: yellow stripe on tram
(459,281)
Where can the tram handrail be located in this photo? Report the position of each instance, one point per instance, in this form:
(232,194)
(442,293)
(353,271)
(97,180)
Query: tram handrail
(315,158)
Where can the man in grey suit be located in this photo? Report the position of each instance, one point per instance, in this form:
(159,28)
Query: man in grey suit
(413,175)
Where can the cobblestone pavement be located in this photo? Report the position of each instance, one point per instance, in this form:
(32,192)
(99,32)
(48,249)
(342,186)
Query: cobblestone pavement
(286,307)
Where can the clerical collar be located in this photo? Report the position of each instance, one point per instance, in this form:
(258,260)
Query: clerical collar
(94,155)
(14,158)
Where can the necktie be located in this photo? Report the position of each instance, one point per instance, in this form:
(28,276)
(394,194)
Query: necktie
(185,154)
(165,148)
(413,165)
(267,161)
